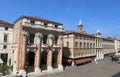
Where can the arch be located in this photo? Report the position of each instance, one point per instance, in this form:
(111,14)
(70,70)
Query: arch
(43,63)
(55,58)
(30,58)
(30,61)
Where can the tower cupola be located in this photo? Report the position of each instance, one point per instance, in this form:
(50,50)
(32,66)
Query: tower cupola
(80,26)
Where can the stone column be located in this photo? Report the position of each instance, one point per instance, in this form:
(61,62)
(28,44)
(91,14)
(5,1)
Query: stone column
(96,54)
(59,58)
(49,56)
(23,53)
(38,39)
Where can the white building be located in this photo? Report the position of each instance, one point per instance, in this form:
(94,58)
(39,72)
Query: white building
(117,46)
(6,38)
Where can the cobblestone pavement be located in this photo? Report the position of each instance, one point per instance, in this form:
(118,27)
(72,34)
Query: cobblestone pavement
(104,68)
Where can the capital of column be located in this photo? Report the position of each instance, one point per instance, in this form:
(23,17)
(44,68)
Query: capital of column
(50,36)
(61,40)
(60,37)
(38,35)
(50,39)
(25,33)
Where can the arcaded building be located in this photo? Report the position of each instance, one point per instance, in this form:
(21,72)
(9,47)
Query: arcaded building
(117,46)
(81,47)
(108,46)
(38,45)
(6,39)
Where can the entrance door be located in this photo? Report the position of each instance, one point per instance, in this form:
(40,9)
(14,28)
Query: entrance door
(43,62)
(54,59)
(4,57)
(30,61)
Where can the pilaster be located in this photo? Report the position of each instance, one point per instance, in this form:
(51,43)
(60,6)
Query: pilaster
(23,52)
(50,50)
(59,59)
(38,39)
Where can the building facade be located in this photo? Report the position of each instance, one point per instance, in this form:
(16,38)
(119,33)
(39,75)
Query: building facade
(6,33)
(81,47)
(98,45)
(117,46)
(108,46)
(38,45)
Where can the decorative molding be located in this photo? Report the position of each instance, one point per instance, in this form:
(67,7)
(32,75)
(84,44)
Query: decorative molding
(51,36)
(38,35)
(24,33)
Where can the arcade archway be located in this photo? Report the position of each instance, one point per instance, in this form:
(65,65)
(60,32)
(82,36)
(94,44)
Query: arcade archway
(30,61)
(54,59)
(43,63)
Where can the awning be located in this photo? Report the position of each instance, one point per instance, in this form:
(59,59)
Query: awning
(84,60)
(67,60)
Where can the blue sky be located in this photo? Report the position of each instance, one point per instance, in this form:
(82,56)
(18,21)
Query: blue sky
(95,14)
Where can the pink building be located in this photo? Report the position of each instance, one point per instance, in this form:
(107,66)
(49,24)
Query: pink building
(38,45)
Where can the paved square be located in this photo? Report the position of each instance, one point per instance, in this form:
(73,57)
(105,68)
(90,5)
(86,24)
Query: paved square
(104,68)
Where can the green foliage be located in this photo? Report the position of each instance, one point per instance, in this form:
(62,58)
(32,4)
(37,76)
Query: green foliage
(3,68)
(11,68)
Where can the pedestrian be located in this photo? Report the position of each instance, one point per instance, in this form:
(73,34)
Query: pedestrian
(17,74)
(96,62)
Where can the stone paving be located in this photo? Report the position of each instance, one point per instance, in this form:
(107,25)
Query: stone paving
(104,68)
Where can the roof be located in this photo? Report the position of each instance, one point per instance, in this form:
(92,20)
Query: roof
(39,18)
(77,32)
(108,39)
(111,38)
(5,23)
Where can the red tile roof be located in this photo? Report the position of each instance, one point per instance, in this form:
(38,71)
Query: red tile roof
(111,38)
(41,19)
(77,32)
(5,23)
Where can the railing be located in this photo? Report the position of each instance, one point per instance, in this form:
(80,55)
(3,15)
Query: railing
(31,46)
(5,43)
(5,50)
(42,27)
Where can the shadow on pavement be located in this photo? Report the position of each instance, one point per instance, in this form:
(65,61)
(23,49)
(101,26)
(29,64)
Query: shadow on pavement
(116,75)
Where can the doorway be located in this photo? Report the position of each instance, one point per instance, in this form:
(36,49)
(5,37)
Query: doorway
(30,61)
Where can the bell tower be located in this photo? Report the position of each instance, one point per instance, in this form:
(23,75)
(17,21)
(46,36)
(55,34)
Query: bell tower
(80,26)
(98,33)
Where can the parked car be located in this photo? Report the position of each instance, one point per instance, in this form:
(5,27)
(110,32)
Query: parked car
(116,59)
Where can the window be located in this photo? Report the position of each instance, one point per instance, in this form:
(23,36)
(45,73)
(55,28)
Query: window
(80,44)
(87,45)
(93,45)
(30,39)
(90,45)
(77,37)
(118,51)
(32,22)
(56,26)
(44,39)
(6,28)
(4,46)
(56,39)
(5,37)
(67,44)
(76,44)
(80,37)
(45,24)
(67,36)
(84,45)
(88,38)
(4,57)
